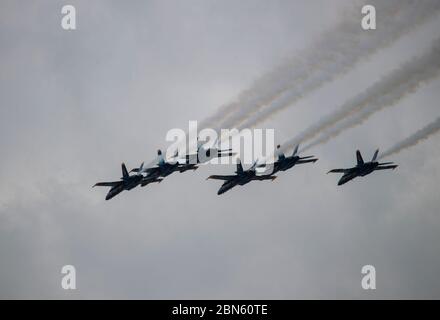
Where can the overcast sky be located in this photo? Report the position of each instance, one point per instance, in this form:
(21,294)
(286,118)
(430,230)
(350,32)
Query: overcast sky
(75,104)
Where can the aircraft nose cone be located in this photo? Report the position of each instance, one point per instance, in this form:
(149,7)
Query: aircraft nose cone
(342,181)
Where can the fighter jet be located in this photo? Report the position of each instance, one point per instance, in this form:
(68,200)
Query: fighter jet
(241,177)
(284,163)
(204,154)
(163,168)
(127,182)
(363,168)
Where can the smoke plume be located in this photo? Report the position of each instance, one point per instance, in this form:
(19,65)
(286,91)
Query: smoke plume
(385,93)
(419,136)
(336,52)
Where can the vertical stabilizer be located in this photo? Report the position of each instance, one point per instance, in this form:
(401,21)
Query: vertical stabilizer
(160,158)
(360,161)
(375,155)
(295,152)
(124,171)
(280,153)
(239,167)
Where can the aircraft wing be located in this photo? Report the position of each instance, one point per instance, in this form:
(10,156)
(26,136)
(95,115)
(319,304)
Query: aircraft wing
(151,170)
(274,164)
(147,180)
(225,178)
(265,177)
(387,167)
(338,171)
(107,184)
(306,161)
(147,170)
(220,153)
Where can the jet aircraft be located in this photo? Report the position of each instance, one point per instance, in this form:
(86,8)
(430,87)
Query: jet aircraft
(127,182)
(284,163)
(363,168)
(164,168)
(204,154)
(241,177)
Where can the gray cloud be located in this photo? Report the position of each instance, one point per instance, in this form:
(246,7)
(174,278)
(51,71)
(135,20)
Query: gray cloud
(76,104)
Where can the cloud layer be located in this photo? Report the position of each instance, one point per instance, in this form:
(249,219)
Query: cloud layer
(74,105)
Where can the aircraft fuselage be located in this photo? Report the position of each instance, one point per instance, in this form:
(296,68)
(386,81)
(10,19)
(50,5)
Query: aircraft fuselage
(287,164)
(358,171)
(228,185)
(126,184)
(241,180)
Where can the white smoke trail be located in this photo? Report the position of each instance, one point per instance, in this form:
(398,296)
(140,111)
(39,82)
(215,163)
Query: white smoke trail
(334,53)
(423,134)
(385,93)
(340,51)
(291,72)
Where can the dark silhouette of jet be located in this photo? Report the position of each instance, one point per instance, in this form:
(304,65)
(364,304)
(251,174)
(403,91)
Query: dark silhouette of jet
(163,168)
(205,154)
(363,168)
(284,163)
(127,182)
(241,178)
